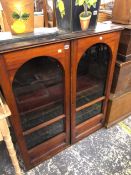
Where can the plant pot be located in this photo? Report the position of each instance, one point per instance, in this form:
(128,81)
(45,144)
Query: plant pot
(71,21)
(19,15)
(84,21)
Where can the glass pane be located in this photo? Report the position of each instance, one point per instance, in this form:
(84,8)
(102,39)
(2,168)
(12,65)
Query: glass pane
(39,90)
(88,113)
(40,116)
(44,134)
(92,74)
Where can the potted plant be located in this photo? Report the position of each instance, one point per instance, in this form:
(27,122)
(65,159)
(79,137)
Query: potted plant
(19,15)
(85,16)
(68,12)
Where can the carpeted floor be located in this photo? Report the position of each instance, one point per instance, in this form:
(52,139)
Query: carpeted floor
(106,152)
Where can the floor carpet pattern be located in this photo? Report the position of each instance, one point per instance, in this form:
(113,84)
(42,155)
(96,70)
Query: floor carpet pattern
(105,152)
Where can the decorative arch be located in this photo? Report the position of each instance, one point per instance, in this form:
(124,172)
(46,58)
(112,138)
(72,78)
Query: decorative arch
(39,79)
(13,74)
(90,45)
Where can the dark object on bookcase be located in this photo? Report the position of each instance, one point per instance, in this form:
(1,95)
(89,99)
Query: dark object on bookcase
(71,21)
(124,51)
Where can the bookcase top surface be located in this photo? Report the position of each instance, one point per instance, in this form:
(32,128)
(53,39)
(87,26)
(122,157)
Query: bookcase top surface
(43,36)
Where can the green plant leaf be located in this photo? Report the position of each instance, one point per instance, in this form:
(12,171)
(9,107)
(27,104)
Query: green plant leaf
(60,5)
(25,16)
(94,5)
(81,2)
(77,2)
(15,15)
(89,3)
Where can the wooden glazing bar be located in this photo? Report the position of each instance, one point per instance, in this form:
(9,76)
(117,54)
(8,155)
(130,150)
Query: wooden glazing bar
(90,104)
(43,125)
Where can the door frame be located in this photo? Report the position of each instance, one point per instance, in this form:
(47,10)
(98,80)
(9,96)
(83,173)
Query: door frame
(79,47)
(9,64)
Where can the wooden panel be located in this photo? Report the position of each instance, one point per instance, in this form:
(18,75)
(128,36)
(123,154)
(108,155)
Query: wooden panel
(122,78)
(118,108)
(46,147)
(16,59)
(49,154)
(93,129)
(105,38)
(124,52)
(88,124)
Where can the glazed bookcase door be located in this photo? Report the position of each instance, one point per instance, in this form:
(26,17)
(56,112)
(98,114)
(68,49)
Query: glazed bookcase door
(93,65)
(41,89)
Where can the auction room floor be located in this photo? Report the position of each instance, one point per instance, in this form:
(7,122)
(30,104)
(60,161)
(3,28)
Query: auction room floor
(106,152)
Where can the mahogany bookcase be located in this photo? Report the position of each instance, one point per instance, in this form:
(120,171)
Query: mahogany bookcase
(57,88)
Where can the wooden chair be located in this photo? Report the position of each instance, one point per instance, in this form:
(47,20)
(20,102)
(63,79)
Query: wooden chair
(5,134)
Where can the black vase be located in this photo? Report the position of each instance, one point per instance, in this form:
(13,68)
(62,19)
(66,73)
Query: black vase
(71,21)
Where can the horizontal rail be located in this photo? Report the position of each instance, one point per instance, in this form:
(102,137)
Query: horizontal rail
(43,125)
(90,103)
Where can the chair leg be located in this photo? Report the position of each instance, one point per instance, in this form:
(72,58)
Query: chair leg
(7,138)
